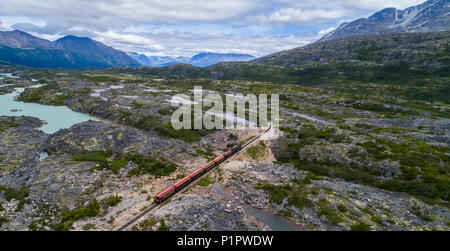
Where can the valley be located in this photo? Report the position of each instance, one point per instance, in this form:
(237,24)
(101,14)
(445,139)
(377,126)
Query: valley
(343,160)
(361,143)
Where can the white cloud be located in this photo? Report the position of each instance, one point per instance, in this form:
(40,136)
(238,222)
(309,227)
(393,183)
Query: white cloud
(186,27)
(326,31)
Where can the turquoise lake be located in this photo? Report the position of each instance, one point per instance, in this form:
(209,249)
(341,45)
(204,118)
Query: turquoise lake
(56,117)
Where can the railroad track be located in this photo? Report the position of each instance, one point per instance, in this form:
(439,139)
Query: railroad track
(155,205)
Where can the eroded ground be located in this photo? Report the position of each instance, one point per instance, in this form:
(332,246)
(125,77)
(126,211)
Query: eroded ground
(342,160)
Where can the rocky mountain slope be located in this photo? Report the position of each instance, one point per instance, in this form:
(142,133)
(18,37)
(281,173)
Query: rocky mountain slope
(421,49)
(432,15)
(21,48)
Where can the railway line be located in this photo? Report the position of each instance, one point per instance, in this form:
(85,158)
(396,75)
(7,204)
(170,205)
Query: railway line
(192,179)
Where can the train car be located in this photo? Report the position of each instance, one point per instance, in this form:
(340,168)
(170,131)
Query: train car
(197,174)
(209,166)
(183,183)
(228,154)
(219,159)
(164,195)
(179,185)
(236,149)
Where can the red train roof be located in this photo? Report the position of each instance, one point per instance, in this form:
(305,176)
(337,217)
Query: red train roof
(166,191)
(196,172)
(208,165)
(180,182)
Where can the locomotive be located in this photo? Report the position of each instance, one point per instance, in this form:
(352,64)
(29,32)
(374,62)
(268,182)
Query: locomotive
(186,181)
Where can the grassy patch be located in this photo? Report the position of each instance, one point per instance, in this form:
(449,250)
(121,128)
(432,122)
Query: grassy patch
(205,182)
(342,208)
(166,130)
(328,212)
(207,154)
(4,220)
(361,227)
(377,219)
(146,164)
(257,151)
(163,227)
(294,195)
(8,124)
(19,195)
(94,156)
(113,200)
(70,217)
(116,165)
(150,165)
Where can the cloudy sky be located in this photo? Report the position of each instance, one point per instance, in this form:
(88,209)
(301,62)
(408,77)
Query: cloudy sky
(187,27)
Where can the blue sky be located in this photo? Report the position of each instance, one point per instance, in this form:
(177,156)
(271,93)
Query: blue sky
(187,27)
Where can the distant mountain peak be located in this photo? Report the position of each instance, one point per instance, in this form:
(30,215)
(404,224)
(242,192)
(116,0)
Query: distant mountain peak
(21,48)
(202,59)
(433,15)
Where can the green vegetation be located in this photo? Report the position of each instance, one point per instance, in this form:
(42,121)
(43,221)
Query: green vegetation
(117,164)
(424,168)
(70,217)
(163,227)
(146,225)
(257,151)
(342,208)
(111,78)
(232,137)
(7,124)
(146,164)
(328,212)
(150,165)
(4,220)
(50,94)
(35,95)
(427,188)
(309,135)
(153,123)
(295,195)
(19,195)
(207,154)
(166,111)
(94,156)
(361,227)
(113,200)
(247,140)
(377,219)
(205,182)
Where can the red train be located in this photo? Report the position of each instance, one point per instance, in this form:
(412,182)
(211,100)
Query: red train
(179,185)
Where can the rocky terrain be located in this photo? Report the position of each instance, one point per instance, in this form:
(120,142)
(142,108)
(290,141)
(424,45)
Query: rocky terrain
(343,159)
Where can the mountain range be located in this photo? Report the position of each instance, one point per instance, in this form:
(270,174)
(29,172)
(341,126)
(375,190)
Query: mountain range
(200,60)
(433,15)
(18,47)
(369,39)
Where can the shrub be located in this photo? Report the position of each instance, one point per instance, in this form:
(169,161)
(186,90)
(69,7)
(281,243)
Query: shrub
(163,226)
(325,210)
(94,156)
(113,200)
(150,165)
(18,194)
(205,182)
(257,151)
(377,219)
(342,208)
(361,227)
(67,220)
(116,165)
